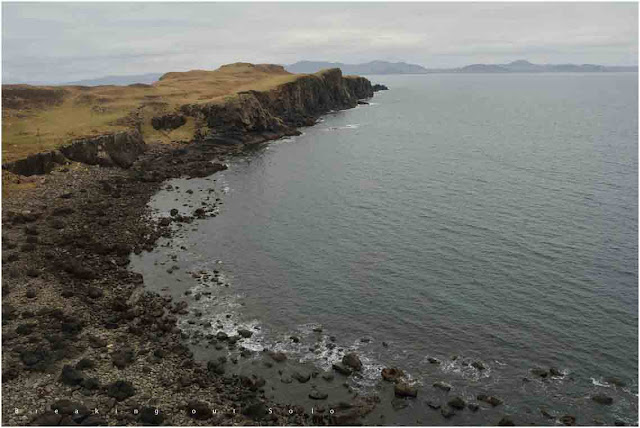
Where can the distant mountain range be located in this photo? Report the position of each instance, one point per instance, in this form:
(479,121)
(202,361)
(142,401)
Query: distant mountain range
(121,80)
(520,66)
(380,67)
(373,67)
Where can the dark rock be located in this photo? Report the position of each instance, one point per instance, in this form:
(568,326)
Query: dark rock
(94,421)
(318,395)
(295,339)
(31,293)
(255,411)
(474,407)
(123,358)
(506,421)
(613,380)
(442,385)
(490,399)
(342,369)
(34,358)
(245,333)
(168,121)
(568,420)
(221,335)
(433,360)
(392,374)
(301,377)
(403,389)
(399,403)
(602,399)
(26,329)
(90,383)
(328,376)
(540,372)
(97,342)
(479,365)
(85,363)
(353,361)
(121,390)
(378,87)
(47,419)
(151,416)
(555,372)
(457,403)
(95,292)
(199,410)
(277,356)
(432,404)
(447,412)
(71,376)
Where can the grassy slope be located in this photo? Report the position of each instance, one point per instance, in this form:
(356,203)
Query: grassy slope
(36,119)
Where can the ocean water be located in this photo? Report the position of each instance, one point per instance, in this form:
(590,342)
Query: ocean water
(488,218)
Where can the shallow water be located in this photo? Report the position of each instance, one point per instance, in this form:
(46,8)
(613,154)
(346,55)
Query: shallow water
(493,217)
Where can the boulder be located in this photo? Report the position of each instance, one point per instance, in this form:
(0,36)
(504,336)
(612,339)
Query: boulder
(342,369)
(392,374)
(318,395)
(245,333)
(121,390)
(255,411)
(447,412)
(506,421)
(278,356)
(199,410)
(457,403)
(71,376)
(602,399)
(403,389)
(151,416)
(568,420)
(442,385)
(353,361)
(490,399)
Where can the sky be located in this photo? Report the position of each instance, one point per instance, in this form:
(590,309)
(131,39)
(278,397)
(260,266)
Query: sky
(62,42)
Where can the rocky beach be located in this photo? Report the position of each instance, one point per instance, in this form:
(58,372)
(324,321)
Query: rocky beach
(84,342)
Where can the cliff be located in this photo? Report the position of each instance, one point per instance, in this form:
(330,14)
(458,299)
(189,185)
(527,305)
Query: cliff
(253,116)
(262,102)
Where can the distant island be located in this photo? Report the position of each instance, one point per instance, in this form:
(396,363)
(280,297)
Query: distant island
(374,67)
(519,66)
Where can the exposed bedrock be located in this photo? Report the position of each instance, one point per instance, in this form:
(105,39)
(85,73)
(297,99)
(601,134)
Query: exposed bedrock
(265,115)
(117,149)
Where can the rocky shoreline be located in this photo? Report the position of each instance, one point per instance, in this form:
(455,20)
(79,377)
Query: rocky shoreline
(84,342)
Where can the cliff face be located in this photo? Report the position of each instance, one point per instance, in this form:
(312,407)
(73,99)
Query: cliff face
(246,117)
(261,115)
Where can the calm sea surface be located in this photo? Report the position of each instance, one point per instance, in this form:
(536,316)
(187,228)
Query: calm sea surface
(490,217)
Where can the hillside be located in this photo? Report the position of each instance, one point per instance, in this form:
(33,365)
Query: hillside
(40,118)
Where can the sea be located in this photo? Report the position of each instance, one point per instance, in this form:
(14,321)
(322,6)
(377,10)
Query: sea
(455,219)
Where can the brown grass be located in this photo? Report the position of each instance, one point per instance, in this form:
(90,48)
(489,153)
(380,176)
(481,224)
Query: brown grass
(36,119)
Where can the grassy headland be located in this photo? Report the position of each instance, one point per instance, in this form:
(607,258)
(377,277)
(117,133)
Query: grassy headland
(41,118)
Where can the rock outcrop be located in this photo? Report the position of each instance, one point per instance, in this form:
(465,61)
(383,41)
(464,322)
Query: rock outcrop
(255,116)
(117,149)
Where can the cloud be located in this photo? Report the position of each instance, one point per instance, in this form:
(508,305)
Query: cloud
(71,41)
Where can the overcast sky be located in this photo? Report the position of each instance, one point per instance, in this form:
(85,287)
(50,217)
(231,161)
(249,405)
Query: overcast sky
(57,42)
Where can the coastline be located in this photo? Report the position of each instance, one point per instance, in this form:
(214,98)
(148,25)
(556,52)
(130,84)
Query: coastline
(81,332)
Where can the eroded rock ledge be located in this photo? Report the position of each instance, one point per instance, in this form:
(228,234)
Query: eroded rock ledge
(118,149)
